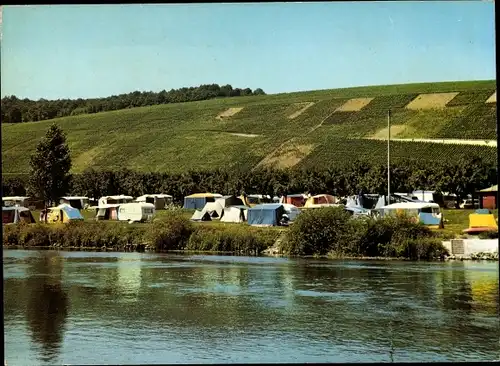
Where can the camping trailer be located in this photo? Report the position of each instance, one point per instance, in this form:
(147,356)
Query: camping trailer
(77,202)
(160,201)
(15,214)
(14,200)
(63,213)
(23,201)
(113,200)
(136,212)
(427,212)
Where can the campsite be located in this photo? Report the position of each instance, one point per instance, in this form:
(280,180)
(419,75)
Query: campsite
(267,220)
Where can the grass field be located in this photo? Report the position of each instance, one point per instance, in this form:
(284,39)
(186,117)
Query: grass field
(176,137)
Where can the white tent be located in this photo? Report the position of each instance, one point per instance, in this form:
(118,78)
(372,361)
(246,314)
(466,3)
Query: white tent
(235,214)
(200,215)
(214,209)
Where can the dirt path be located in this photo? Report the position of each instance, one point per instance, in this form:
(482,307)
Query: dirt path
(491,143)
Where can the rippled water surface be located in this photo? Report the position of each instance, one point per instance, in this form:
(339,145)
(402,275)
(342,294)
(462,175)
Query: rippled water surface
(101,308)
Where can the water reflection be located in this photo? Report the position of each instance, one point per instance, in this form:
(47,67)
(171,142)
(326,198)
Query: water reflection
(222,309)
(47,303)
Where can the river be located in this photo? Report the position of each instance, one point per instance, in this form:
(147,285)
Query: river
(140,308)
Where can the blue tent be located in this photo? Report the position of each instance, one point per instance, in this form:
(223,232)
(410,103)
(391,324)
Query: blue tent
(199,200)
(266,214)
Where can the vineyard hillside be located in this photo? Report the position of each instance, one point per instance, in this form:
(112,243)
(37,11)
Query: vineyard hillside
(302,129)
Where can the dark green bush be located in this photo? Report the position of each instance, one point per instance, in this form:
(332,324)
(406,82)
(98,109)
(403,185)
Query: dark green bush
(240,239)
(171,232)
(318,231)
(489,235)
(332,231)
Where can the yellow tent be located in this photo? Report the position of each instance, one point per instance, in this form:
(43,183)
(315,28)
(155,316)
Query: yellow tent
(63,213)
(482,220)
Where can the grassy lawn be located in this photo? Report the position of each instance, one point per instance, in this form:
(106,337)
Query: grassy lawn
(458,219)
(177,137)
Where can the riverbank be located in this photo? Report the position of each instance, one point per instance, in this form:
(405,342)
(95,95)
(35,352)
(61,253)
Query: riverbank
(329,232)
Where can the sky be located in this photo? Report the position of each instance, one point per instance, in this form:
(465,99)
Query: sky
(84,51)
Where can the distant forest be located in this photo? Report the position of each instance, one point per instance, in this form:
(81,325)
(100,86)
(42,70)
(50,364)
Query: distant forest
(15,110)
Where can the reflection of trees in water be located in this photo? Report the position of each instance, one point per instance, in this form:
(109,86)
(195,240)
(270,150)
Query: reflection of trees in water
(456,293)
(47,306)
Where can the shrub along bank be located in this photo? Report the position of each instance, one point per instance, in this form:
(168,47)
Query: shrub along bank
(327,231)
(331,231)
(172,232)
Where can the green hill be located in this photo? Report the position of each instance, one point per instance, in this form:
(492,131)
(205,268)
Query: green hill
(301,129)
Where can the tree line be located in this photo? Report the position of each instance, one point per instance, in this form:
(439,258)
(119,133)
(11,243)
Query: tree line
(15,110)
(460,178)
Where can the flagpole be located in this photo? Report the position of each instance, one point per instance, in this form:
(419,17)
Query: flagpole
(388,157)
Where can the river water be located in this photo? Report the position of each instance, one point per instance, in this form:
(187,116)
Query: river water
(124,308)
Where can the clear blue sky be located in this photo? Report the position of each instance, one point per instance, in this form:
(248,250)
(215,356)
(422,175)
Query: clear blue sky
(97,50)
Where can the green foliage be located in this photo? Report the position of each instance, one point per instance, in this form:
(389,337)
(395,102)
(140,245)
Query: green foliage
(50,165)
(489,235)
(471,97)
(318,231)
(73,235)
(171,232)
(16,110)
(462,177)
(331,149)
(332,231)
(478,120)
(240,239)
(178,137)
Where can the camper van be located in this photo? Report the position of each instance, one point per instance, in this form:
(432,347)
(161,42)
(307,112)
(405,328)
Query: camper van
(136,212)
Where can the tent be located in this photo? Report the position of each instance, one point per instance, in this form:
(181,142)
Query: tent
(321,200)
(198,200)
(106,211)
(15,214)
(227,201)
(479,223)
(63,213)
(235,214)
(200,215)
(298,200)
(214,209)
(267,214)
